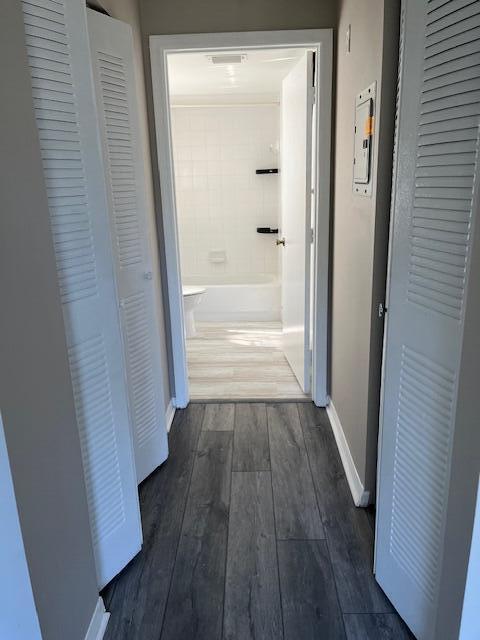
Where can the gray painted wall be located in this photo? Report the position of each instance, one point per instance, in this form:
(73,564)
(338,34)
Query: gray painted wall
(360,233)
(35,391)
(212,16)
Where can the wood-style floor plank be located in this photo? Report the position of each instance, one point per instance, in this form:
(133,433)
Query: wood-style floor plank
(350,542)
(312,416)
(309,600)
(252,594)
(376,627)
(140,591)
(251,450)
(195,603)
(174,588)
(219,417)
(295,505)
(349,534)
(328,474)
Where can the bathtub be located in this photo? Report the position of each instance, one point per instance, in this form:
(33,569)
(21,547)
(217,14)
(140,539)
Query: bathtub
(234,299)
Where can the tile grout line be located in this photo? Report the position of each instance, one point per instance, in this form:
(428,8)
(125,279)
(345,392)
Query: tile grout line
(275,523)
(323,525)
(187,495)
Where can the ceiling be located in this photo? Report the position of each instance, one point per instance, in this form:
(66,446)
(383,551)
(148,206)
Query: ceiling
(193,78)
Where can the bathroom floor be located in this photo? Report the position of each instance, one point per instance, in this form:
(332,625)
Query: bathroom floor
(239,360)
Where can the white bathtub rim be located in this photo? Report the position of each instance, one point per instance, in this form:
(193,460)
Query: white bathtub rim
(265,281)
(238,316)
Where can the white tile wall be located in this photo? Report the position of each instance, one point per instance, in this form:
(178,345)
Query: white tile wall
(220,199)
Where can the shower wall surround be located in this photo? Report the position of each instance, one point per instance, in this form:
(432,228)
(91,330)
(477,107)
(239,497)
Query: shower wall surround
(220,199)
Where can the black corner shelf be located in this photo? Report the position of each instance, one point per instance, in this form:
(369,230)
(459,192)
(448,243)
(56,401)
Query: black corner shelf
(266,230)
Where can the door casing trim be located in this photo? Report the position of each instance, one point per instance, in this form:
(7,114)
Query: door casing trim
(321,40)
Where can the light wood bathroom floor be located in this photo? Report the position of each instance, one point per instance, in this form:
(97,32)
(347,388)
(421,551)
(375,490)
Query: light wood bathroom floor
(239,360)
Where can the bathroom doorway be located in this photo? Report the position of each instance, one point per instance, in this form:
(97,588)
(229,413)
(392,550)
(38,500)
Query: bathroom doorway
(246,225)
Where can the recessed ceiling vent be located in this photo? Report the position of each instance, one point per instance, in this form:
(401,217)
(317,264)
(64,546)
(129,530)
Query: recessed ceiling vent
(227,58)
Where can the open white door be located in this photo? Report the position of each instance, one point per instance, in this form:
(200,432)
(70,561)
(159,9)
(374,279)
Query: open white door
(112,57)
(296,202)
(59,59)
(436,191)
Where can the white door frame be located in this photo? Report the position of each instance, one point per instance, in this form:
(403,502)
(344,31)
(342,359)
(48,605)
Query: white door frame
(321,40)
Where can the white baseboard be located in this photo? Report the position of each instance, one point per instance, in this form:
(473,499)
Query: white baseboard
(98,623)
(360,497)
(170,414)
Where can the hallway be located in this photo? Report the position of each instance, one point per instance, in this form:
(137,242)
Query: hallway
(250,532)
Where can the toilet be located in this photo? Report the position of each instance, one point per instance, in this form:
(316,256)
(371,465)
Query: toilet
(192,297)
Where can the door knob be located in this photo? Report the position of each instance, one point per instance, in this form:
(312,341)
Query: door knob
(148,275)
(279,242)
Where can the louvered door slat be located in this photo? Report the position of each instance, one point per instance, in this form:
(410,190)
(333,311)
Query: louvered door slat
(58,55)
(51,84)
(112,52)
(435,185)
(459,16)
(463,21)
(437,9)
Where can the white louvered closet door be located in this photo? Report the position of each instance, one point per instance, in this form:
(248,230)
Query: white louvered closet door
(435,203)
(112,58)
(59,59)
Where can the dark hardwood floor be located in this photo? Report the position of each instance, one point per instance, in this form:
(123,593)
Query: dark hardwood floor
(250,532)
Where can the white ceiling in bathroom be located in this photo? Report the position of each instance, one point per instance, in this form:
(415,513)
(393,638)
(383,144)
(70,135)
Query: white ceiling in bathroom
(193,77)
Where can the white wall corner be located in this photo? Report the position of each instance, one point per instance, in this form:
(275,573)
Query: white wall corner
(170,414)
(98,623)
(361,498)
